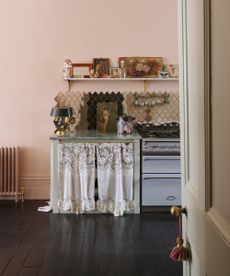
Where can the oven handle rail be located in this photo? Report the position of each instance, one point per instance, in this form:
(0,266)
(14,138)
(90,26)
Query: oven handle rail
(161,176)
(160,157)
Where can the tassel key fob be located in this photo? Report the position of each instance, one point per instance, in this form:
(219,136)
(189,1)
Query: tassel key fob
(179,252)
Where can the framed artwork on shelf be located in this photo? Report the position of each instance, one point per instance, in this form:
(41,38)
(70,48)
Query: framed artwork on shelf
(101,66)
(81,70)
(142,67)
(172,69)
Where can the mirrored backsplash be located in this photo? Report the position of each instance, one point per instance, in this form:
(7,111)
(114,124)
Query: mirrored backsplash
(91,108)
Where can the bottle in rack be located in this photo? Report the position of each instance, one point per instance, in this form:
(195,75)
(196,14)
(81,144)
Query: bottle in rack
(123,72)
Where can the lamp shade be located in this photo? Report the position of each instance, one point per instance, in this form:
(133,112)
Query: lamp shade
(62,112)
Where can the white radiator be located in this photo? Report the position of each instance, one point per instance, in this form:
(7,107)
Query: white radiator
(9,184)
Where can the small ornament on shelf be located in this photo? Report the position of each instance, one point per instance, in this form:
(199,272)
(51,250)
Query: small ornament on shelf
(123,72)
(163,74)
(93,73)
(172,69)
(67,69)
(115,72)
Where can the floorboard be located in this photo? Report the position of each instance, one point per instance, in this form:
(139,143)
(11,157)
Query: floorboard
(45,244)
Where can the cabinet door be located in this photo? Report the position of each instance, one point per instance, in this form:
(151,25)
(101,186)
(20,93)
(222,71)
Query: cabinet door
(160,190)
(161,164)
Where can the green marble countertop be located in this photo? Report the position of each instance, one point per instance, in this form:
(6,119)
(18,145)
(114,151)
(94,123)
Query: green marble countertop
(95,136)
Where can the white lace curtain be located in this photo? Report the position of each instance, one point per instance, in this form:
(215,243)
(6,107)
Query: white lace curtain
(115,177)
(77,177)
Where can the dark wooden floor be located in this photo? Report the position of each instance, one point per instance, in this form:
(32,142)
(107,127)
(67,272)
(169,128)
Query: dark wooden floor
(34,243)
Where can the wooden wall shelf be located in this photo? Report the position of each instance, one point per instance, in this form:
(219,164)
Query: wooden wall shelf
(144,80)
(121,79)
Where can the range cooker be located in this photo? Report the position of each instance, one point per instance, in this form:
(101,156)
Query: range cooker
(161,171)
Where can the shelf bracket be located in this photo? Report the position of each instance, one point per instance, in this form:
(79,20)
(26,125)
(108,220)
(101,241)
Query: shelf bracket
(68,85)
(144,85)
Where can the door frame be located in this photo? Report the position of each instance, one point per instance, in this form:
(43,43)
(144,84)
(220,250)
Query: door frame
(208,104)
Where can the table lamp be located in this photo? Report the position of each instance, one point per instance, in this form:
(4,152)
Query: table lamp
(63,118)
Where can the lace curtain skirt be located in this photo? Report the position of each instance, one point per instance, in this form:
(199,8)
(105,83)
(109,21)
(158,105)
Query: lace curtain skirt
(77,177)
(115,177)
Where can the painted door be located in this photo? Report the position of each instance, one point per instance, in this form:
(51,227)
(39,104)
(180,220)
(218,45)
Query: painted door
(205,132)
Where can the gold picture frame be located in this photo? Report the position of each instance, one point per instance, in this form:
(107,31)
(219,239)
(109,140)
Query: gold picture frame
(107,113)
(81,70)
(142,67)
(101,66)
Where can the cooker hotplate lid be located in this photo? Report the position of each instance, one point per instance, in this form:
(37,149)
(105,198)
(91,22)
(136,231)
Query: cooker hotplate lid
(158,130)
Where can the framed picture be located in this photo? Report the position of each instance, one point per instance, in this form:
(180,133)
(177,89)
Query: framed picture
(172,69)
(103,111)
(142,67)
(101,66)
(115,72)
(107,113)
(81,70)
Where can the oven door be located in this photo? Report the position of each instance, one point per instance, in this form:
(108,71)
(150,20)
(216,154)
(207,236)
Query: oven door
(161,164)
(161,189)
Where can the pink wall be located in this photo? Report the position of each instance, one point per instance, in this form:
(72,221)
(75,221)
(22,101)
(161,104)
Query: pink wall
(36,37)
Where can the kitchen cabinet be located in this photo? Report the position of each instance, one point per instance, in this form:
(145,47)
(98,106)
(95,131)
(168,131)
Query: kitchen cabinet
(96,138)
(161,164)
(161,189)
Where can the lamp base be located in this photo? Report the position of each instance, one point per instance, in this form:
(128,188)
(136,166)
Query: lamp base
(59,132)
